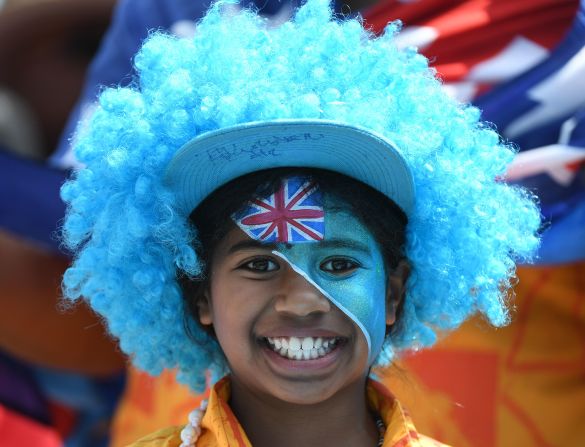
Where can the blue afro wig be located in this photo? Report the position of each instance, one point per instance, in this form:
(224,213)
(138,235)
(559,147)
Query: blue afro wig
(463,237)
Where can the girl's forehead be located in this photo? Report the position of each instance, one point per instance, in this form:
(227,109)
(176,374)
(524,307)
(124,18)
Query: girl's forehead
(292,214)
(299,213)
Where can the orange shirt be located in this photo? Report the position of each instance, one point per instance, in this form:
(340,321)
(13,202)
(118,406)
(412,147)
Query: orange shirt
(220,428)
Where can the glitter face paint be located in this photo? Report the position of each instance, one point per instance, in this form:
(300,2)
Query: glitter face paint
(359,294)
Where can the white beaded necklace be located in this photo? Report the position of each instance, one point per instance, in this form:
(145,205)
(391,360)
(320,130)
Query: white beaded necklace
(192,430)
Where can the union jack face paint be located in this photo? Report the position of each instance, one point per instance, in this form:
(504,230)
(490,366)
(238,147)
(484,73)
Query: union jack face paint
(293,214)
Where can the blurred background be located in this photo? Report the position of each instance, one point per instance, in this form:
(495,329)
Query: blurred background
(63,382)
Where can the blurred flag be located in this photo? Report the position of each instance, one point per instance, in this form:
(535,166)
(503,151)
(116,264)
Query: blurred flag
(29,204)
(543,111)
(523,64)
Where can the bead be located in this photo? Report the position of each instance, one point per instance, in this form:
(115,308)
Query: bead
(192,430)
(187,434)
(195,417)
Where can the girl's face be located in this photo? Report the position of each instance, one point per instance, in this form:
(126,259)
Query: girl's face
(281,335)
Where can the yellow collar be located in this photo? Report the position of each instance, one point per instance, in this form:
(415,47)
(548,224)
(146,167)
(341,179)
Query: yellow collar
(220,424)
(220,428)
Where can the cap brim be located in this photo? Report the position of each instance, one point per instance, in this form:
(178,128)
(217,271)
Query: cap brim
(217,157)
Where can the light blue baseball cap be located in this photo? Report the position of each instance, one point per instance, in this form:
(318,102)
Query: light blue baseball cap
(214,158)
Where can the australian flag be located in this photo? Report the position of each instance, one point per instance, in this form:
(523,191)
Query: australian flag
(523,64)
(543,112)
(293,214)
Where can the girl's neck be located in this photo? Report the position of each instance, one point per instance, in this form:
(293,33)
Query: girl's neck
(344,420)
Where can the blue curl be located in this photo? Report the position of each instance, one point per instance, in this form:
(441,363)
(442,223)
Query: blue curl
(463,238)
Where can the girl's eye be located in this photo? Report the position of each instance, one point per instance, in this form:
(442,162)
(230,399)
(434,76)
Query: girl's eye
(339,266)
(261,265)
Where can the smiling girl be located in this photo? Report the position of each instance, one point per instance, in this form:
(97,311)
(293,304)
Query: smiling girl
(294,301)
(286,208)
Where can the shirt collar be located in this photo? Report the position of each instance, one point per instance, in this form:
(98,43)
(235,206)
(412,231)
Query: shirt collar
(220,424)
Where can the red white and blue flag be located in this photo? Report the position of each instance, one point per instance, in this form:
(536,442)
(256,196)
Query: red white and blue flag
(523,64)
(292,214)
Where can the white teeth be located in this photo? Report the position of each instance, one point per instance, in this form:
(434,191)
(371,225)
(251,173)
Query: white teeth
(302,348)
(294,343)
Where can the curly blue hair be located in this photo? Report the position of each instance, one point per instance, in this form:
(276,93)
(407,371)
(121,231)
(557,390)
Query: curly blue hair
(463,238)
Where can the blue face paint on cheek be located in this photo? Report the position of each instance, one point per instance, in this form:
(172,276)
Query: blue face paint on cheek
(359,292)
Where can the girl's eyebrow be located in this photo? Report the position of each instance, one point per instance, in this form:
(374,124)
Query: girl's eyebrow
(350,244)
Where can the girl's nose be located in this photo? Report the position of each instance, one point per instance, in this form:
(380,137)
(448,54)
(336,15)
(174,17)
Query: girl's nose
(299,297)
